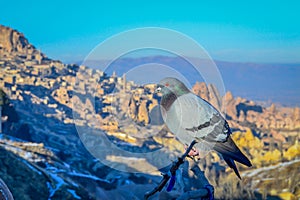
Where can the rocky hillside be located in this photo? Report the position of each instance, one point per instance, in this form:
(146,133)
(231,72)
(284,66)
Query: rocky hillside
(242,112)
(50,108)
(14,44)
(276,124)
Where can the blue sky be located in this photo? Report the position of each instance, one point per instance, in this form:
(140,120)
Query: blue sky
(260,31)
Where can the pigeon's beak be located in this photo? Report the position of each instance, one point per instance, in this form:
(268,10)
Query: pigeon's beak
(157,90)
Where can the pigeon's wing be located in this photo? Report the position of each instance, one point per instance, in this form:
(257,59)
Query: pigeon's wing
(192,116)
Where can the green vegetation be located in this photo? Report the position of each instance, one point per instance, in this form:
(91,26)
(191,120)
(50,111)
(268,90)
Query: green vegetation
(3,99)
(7,109)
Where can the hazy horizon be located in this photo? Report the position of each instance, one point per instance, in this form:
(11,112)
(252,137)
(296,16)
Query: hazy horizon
(254,81)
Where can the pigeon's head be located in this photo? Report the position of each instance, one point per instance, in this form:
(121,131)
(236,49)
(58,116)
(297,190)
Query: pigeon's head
(171,85)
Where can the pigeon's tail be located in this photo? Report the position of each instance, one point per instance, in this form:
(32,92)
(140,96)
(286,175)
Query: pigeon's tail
(231,153)
(230,162)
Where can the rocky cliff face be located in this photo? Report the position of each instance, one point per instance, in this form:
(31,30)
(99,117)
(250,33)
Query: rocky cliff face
(14,43)
(209,93)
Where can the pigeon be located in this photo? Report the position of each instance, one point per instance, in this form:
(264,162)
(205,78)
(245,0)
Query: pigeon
(190,117)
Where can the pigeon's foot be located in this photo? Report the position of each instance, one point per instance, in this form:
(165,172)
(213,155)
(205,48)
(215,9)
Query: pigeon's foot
(193,152)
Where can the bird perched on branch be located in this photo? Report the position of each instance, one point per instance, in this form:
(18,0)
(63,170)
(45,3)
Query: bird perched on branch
(190,118)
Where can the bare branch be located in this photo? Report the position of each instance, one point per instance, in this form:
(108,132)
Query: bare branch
(173,170)
(194,183)
(197,185)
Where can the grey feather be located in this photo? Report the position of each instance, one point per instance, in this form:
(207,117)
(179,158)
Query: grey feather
(190,117)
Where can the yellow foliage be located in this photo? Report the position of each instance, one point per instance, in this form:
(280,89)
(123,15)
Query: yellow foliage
(255,143)
(247,140)
(287,196)
(257,160)
(236,135)
(272,156)
(255,146)
(292,152)
(249,135)
(254,152)
(242,142)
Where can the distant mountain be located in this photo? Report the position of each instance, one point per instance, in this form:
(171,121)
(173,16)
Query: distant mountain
(276,83)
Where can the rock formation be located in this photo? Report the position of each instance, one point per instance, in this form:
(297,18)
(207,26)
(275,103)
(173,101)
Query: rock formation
(14,42)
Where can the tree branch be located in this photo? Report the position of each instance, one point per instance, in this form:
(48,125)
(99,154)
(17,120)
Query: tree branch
(198,181)
(173,170)
(206,191)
